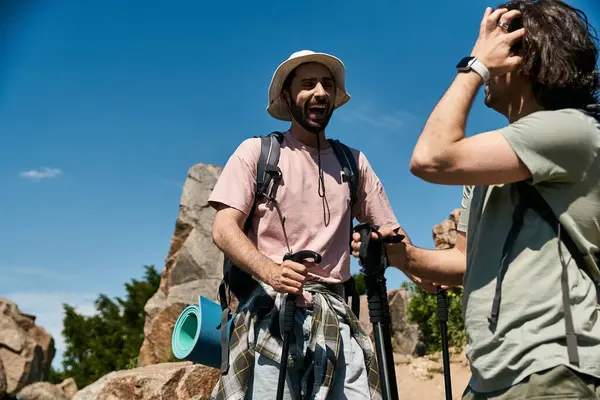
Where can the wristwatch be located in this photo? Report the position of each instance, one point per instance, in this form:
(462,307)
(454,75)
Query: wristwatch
(473,64)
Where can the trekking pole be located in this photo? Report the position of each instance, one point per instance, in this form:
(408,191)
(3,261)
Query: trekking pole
(442,308)
(374,261)
(289,316)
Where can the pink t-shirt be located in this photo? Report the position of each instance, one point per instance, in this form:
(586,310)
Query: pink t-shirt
(302,206)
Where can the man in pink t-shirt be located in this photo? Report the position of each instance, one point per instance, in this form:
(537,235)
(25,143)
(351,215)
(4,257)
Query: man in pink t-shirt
(314,202)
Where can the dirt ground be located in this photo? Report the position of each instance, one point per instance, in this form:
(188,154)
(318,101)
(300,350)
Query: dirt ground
(422,378)
(413,388)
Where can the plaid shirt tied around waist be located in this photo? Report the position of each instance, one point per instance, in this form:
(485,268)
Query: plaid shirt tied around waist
(256,327)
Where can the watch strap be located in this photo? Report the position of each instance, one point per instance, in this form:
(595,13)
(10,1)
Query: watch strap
(481,69)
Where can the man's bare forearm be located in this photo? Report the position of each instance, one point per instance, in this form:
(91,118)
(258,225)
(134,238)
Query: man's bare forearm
(230,239)
(444,267)
(446,125)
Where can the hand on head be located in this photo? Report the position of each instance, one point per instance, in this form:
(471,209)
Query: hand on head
(494,44)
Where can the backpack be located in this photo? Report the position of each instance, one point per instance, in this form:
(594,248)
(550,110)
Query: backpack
(239,282)
(530,197)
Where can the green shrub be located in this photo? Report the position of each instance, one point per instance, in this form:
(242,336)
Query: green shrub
(359,282)
(422,310)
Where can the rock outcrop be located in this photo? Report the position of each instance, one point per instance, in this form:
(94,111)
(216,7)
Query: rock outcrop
(47,391)
(193,265)
(444,234)
(173,381)
(26,350)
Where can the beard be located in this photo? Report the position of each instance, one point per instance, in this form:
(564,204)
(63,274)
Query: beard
(303,117)
(491,98)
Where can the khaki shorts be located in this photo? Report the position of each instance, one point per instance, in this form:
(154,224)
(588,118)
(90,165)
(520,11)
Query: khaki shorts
(557,383)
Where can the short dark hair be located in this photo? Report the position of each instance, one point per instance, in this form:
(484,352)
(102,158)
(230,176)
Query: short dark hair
(560,52)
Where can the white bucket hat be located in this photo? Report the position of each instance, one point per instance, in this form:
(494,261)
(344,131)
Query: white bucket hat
(277,108)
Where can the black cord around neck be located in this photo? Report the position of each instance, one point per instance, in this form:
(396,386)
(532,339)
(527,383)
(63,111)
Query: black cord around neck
(326,211)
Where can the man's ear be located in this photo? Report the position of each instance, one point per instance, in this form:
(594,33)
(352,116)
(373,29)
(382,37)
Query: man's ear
(286,97)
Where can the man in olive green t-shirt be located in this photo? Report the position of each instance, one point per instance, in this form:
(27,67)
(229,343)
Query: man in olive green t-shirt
(530,333)
(543,79)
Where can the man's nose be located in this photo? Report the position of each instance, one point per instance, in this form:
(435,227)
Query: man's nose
(320,90)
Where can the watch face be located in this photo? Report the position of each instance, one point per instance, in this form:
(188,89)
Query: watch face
(464,63)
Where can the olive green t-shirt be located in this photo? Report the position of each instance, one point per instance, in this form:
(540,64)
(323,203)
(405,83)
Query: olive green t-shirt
(561,150)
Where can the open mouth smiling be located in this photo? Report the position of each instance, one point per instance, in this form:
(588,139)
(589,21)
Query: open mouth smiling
(317,111)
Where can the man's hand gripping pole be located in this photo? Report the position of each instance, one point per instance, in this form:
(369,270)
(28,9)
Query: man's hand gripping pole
(289,316)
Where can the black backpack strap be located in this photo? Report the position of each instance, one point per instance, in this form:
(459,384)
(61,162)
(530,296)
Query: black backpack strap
(268,173)
(529,197)
(235,279)
(349,167)
(351,175)
(225,317)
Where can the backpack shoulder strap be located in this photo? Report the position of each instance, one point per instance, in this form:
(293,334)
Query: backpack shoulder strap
(349,166)
(542,208)
(267,171)
(237,280)
(536,201)
(351,174)
(531,198)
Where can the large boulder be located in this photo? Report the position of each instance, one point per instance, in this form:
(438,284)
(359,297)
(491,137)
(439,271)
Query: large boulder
(405,336)
(173,381)
(26,350)
(47,391)
(193,265)
(2,381)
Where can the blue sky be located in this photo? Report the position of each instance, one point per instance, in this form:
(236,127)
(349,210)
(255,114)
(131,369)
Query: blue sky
(105,105)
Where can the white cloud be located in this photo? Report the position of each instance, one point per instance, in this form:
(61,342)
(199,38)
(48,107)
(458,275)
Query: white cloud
(384,120)
(48,310)
(44,173)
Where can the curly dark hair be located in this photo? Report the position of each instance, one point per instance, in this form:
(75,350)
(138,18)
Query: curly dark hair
(560,52)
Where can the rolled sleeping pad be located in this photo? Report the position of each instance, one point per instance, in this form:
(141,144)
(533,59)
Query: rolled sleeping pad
(196,335)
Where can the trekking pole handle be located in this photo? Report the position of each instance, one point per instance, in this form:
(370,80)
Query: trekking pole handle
(303,255)
(290,300)
(442,306)
(394,239)
(370,252)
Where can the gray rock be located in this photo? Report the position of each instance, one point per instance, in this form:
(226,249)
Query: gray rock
(2,380)
(173,381)
(406,337)
(42,391)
